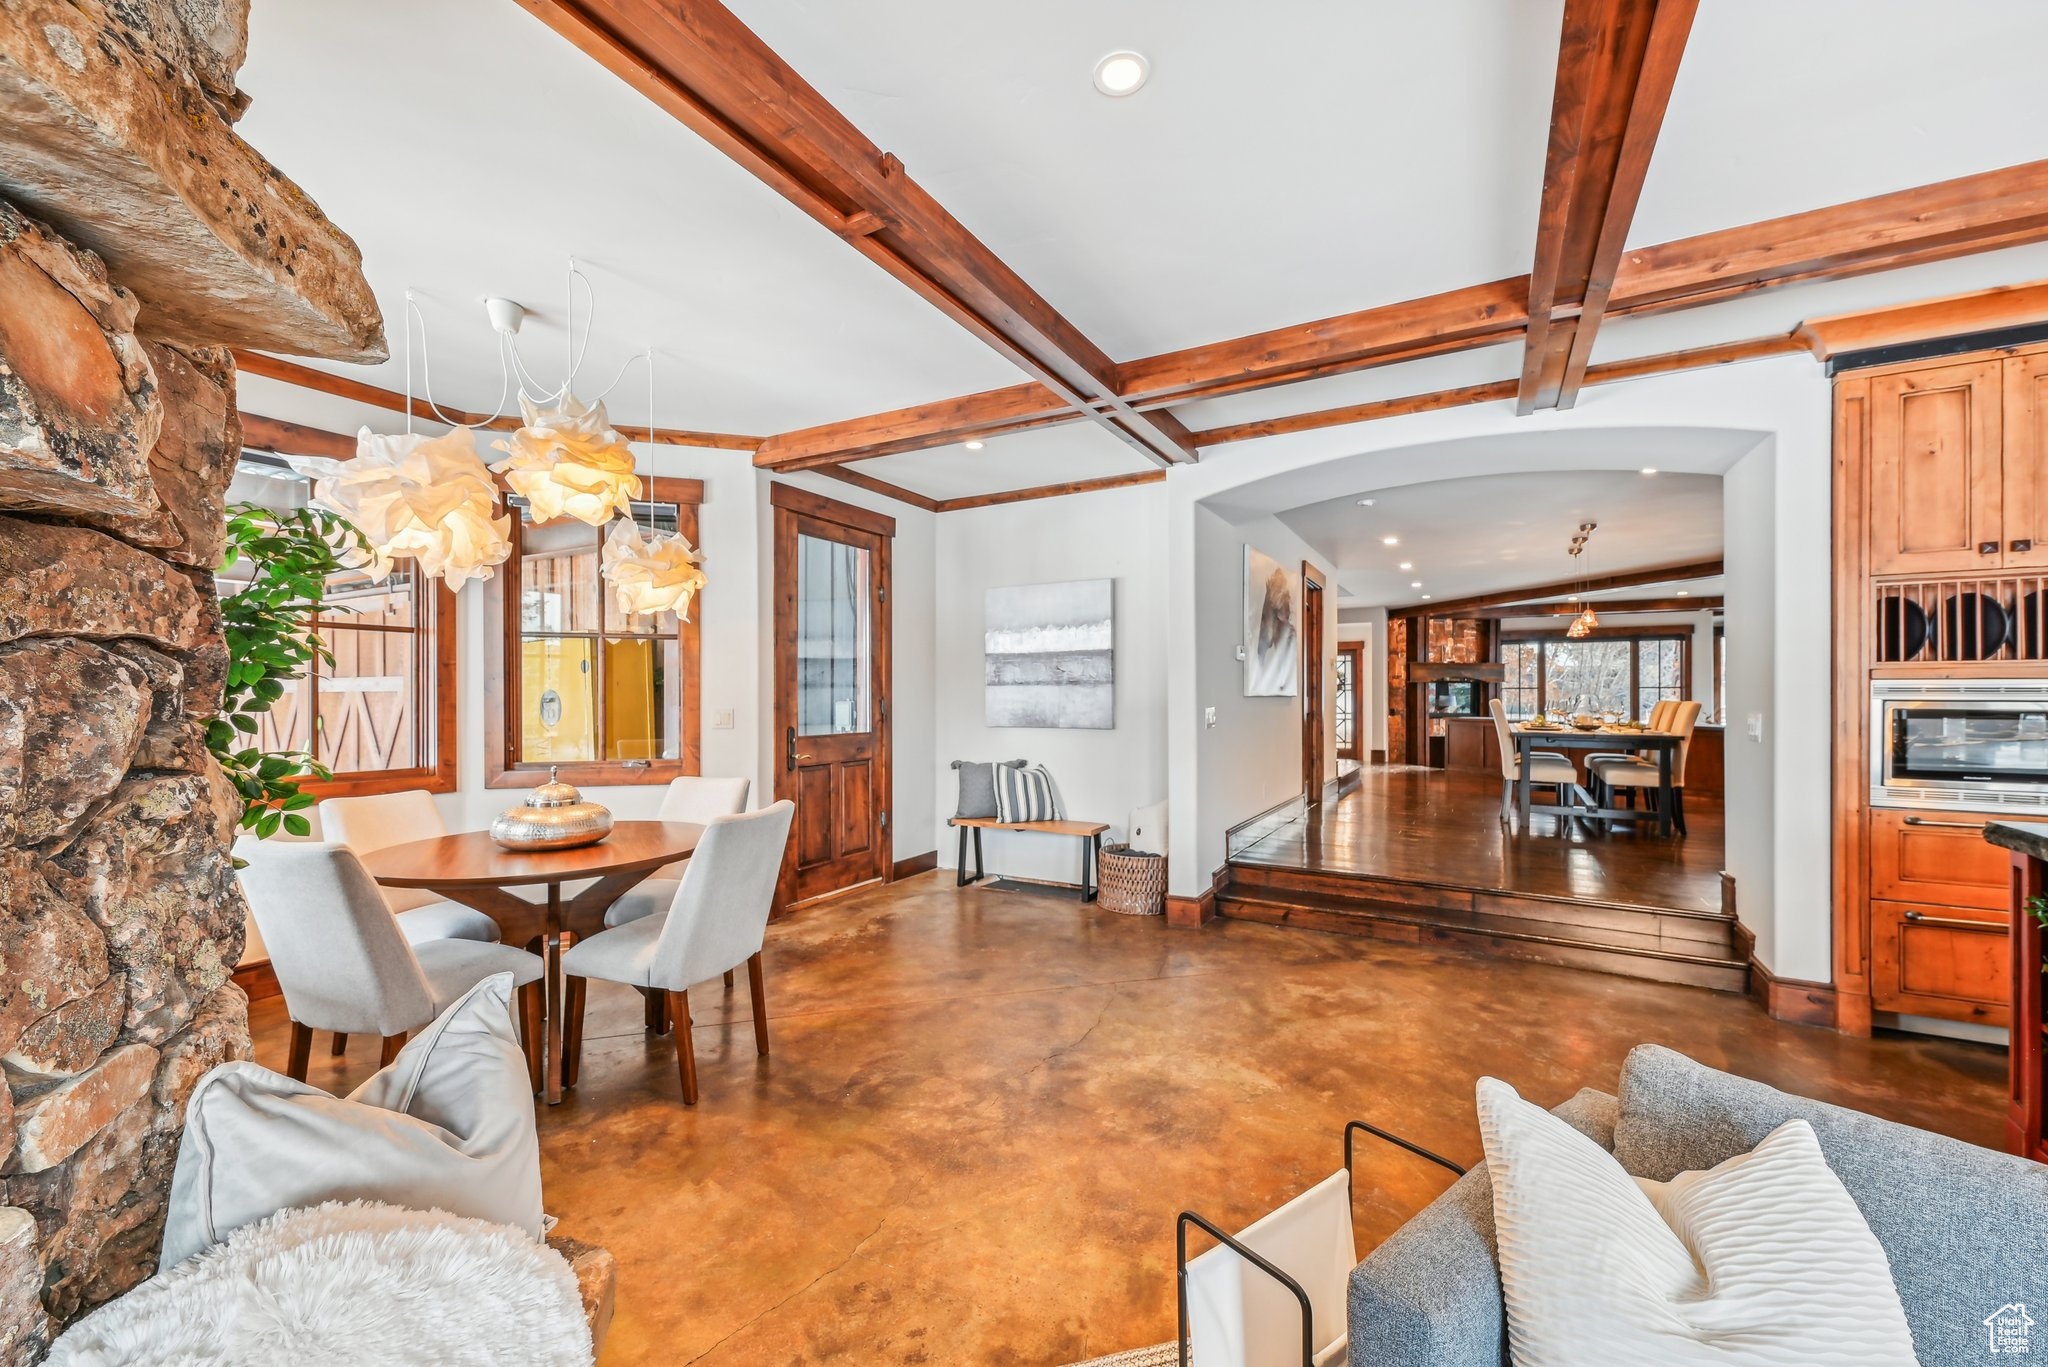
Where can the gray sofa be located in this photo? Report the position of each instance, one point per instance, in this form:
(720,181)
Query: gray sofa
(1965,1228)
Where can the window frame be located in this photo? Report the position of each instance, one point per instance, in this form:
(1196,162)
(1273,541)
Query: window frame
(1635,636)
(502,767)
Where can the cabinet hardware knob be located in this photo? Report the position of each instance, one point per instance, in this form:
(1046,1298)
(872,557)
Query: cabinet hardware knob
(1987,548)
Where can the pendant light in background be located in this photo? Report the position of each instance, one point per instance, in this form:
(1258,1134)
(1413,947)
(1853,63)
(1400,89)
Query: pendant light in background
(654,572)
(1583,624)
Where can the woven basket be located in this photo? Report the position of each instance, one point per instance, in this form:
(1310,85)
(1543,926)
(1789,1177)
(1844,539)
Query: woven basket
(1132,882)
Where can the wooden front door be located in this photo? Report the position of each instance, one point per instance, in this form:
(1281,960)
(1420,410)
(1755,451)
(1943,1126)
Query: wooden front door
(1314,684)
(1348,698)
(832,690)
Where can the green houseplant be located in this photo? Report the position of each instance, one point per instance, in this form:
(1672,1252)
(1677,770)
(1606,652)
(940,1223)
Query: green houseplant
(271,640)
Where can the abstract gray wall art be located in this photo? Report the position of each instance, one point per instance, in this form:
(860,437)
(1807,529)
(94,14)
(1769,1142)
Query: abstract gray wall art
(1272,634)
(1049,655)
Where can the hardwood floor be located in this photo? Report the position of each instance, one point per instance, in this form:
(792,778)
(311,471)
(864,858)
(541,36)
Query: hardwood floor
(984,1109)
(1443,827)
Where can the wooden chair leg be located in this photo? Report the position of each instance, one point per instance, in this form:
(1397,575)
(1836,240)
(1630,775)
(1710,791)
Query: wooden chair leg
(760,1003)
(392,1044)
(530,1028)
(657,1010)
(340,1045)
(686,1052)
(572,1028)
(728,980)
(1678,809)
(302,1052)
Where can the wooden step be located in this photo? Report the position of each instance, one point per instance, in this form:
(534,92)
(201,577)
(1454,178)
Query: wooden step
(1660,944)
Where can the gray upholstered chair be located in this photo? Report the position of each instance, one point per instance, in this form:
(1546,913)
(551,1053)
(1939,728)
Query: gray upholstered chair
(695,800)
(380,820)
(1547,768)
(716,922)
(344,966)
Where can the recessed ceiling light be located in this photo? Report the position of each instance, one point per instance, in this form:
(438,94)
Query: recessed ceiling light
(1121,73)
(974,446)
(1416,584)
(1685,593)
(1427,595)
(1390,541)
(1367,502)
(1649,469)
(1407,564)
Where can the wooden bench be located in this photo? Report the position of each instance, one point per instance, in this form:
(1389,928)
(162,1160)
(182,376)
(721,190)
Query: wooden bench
(1088,832)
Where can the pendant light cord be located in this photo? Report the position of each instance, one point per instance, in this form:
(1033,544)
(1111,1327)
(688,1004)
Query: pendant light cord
(413,315)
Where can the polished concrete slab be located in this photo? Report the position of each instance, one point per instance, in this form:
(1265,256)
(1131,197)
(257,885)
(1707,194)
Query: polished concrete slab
(984,1109)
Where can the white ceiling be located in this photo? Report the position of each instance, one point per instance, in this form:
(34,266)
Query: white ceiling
(1507,531)
(1285,162)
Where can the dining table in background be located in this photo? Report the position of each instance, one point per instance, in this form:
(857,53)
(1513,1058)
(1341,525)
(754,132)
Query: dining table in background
(473,869)
(1664,744)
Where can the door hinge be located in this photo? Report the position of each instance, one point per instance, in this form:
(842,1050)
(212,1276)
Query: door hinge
(881,594)
(883,704)
(885,821)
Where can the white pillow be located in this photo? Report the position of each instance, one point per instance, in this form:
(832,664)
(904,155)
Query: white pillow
(1763,1260)
(448,1126)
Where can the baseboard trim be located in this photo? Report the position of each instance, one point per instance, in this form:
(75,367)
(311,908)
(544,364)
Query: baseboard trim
(1191,913)
(916,864)
(1379,757)
(1791,999)
(259,980)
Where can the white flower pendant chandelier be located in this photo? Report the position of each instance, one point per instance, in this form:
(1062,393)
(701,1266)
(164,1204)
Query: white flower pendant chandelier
(567,462)
(653,573)
(426,497)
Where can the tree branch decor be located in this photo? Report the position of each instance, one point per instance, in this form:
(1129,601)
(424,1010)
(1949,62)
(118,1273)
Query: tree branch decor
(271,641)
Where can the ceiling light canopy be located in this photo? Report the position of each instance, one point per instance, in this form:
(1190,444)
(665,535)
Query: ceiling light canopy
(568,462)
(426,497)
(1121,73)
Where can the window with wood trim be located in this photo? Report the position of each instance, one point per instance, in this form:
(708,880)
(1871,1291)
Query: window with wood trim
(606,697)
(381,714)
(1619,670)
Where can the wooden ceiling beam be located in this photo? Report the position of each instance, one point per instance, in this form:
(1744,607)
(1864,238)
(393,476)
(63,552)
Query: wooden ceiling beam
(1616,62)
(1602,606)
(1956,315)
(1976,213)
(860,480)
(710,71)
(294,439)
(1078,486)
(341,387)
(1627,579)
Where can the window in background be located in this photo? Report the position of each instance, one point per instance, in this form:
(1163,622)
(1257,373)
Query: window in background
(1660,673)
(1520,692)
(605,696)
(1344,702)
(380,715)
(832,649)
(1587,675)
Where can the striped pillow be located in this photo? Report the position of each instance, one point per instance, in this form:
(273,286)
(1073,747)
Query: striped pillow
(1025,794)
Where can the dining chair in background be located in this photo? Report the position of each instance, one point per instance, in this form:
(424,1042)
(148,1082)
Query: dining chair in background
(1660,716)
(377,822)
(1641,775)
(695,800)
(716,921)
(1547,769)
(343,965)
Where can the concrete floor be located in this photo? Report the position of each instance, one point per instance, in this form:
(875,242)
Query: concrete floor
(984,1109)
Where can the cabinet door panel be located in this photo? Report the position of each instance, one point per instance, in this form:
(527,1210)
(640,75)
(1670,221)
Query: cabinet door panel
(1935,470)
(2026,462)
(1952,963)
(1939,857)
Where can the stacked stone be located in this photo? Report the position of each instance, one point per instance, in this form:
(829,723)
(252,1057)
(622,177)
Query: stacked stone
(120,918)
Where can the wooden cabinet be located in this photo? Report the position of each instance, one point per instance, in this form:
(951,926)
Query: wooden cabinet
(1938,858)
(2025,472)
(1936,477)
(1938,923)
(1471,743)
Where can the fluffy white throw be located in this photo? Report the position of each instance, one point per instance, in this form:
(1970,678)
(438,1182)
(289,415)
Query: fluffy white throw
(347,1284)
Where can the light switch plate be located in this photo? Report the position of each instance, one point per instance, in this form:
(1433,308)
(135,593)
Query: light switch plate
(1756,726)
(721,720)
(1209,717)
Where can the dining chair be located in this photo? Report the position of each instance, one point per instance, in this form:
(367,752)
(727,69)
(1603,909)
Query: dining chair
(378,821)
(1640,775)
(1659,718)
(1547,768)
(716,922)
(344,966)
(695,800)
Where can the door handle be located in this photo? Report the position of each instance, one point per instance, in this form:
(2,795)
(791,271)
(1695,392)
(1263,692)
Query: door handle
(790,756)
(1921,918)
(1945,825)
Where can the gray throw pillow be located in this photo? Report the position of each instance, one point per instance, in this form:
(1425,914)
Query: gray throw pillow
(448,1126)
(978,788)
(1964,1228)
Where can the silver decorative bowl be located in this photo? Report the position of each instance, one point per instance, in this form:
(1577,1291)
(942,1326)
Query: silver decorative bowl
(553,817)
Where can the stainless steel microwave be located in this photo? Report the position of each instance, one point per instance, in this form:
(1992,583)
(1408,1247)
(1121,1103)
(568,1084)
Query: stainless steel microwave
(1960,743)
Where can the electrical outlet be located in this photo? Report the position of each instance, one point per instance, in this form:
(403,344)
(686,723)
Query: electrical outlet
(721,720)
(1209,717)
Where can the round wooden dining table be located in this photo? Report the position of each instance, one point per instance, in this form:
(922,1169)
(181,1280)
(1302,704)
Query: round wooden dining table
(476,871)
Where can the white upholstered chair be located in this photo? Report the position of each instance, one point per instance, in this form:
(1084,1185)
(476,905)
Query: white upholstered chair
(1546,769)
(716,922)
(1660,717)
(695,800)
(380,820)
(344,966)
(1640,775)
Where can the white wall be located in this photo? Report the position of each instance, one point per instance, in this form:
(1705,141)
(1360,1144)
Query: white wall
(1749,502)
(1116,534)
